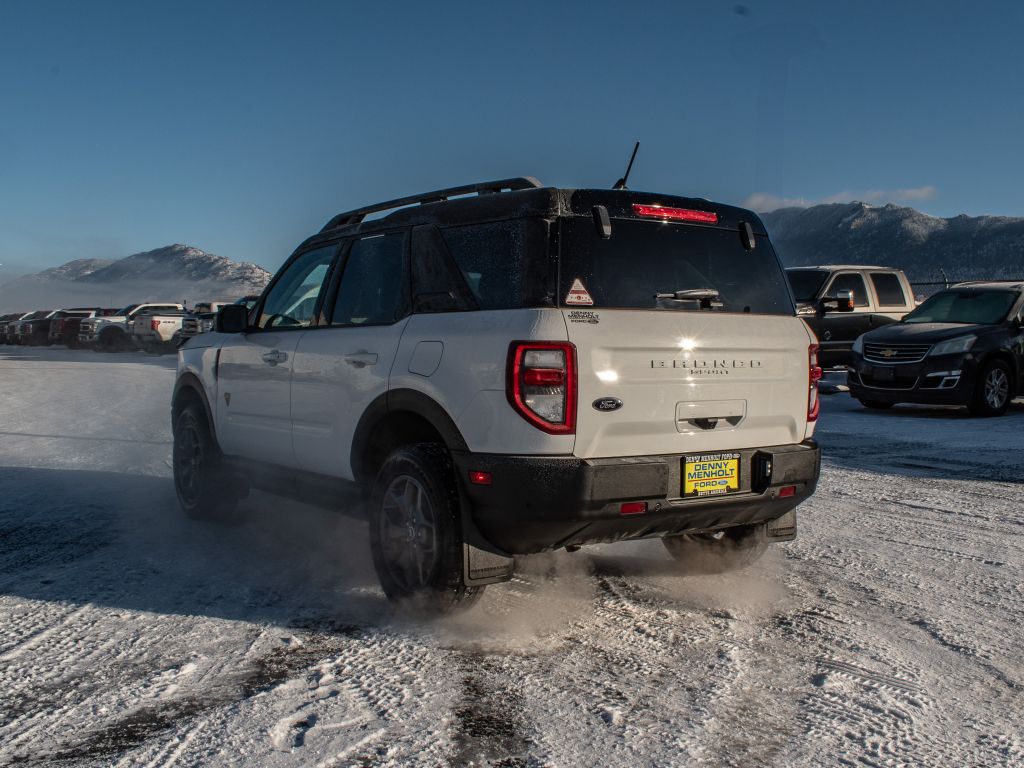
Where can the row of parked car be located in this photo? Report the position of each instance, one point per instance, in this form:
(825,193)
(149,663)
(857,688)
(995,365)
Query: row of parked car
(961,346)
(153,327)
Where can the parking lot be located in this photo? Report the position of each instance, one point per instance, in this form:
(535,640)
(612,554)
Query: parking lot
(888,633)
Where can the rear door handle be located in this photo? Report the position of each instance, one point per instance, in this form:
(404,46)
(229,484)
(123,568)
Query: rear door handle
(361,359)
(274,357)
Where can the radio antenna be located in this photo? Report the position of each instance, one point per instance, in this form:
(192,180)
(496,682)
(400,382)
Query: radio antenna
(621,183)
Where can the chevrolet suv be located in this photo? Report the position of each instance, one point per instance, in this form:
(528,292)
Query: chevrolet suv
(504,368)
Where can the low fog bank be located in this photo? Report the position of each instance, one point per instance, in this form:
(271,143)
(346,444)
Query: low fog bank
(26,294)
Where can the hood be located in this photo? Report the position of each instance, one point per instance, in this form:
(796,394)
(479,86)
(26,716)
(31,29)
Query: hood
(923,333)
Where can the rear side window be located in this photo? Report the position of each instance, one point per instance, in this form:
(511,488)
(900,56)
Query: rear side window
(506,264)
(850,281)
(644,258)
(438,284)
(372,284)
(888,289)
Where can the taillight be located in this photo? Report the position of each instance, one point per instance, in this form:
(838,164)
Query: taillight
(813,376)
(541,384)
(678,214)
(154,324)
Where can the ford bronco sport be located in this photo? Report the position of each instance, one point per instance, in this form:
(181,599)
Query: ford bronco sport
(502,369)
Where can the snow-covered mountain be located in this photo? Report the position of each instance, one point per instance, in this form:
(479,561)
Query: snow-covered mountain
(172,273)
(183,263)
(966,247)
(73,270)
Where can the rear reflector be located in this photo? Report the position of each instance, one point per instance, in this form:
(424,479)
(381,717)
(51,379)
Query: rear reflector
(677,214)
(477,477)
(633,508)
(787,490)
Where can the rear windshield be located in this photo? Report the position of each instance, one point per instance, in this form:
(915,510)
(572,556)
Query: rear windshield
(964,305)
(644,258)
(806,282)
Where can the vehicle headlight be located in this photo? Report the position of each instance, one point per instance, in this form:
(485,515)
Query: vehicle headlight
(858,345)
(954,346)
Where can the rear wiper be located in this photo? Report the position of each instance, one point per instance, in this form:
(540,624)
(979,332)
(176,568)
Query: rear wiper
(708,297)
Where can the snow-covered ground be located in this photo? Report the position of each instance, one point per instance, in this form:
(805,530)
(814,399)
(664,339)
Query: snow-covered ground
(889,633)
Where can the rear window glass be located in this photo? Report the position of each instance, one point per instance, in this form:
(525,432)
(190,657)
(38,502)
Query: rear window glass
(806,282)
(504,264)
(888,289)
(644,258)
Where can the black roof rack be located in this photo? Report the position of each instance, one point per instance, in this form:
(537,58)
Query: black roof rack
(349,218)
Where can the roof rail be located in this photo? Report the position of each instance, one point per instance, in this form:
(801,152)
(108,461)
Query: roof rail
(348,218)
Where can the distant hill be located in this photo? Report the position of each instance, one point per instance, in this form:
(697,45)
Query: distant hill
(172,273)
(73,270)
(967,248)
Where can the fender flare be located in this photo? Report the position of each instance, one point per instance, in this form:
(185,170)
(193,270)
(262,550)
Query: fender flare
(403,400)
(191,382)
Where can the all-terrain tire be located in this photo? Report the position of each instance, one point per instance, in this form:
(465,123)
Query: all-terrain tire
(876,405)
(205,489)
(993,390)
(729,550)
(416,532)
(111,340)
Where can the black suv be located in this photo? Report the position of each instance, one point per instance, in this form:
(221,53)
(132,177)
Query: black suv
(963,346)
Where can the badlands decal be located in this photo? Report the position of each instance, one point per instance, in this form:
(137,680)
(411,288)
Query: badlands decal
(578,295)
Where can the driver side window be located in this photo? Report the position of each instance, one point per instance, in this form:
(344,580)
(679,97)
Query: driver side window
(292,300)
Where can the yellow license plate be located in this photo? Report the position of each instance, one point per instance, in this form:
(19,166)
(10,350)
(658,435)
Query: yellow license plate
(711,474)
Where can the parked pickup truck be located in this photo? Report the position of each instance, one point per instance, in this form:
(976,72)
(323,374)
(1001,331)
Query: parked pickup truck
(881,295)
(158,331)
(112,333)
(64,328)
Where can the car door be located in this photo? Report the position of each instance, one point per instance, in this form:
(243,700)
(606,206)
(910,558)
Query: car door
(344,365)
(840,329)
(253,411)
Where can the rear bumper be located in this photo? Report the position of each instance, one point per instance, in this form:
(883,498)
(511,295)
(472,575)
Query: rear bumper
(541,503)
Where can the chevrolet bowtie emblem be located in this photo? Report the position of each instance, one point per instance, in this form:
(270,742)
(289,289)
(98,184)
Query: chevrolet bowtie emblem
(888,353)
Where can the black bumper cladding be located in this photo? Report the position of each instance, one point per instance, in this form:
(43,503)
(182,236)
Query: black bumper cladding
(539,503)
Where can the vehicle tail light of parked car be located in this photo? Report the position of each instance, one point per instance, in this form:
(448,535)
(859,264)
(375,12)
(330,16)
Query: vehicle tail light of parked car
(814,376)
(541,384)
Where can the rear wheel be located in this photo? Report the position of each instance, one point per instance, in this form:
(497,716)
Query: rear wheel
(992,392)
(728,550)
(416,532)
(876,405)
(205,490)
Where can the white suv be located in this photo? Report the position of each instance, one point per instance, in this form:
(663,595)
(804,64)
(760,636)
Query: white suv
(503,369)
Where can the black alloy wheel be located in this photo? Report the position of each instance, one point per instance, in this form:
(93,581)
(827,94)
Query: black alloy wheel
(204,489)
(416,532)
(993,389)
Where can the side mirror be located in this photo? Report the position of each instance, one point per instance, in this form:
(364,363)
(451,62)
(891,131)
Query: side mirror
(234,318)
(843,302)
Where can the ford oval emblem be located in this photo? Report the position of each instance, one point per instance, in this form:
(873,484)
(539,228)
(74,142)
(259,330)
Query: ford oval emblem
(607,404)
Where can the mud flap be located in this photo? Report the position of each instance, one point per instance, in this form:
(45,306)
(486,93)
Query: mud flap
(782,528)
(482,562)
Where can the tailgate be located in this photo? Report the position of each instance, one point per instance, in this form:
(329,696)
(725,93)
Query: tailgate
(687,381)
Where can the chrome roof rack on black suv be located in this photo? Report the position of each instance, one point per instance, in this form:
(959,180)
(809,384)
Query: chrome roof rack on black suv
(350,218)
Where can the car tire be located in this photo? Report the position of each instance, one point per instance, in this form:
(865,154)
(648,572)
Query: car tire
(729,550)
(416,532)
(110,341)
(204,488)
(993,390)
(876,405)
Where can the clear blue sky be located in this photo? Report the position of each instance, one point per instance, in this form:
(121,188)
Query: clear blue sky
(241,127)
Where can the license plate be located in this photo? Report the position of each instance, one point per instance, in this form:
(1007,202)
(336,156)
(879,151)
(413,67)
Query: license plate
(711,474)
(885,374)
